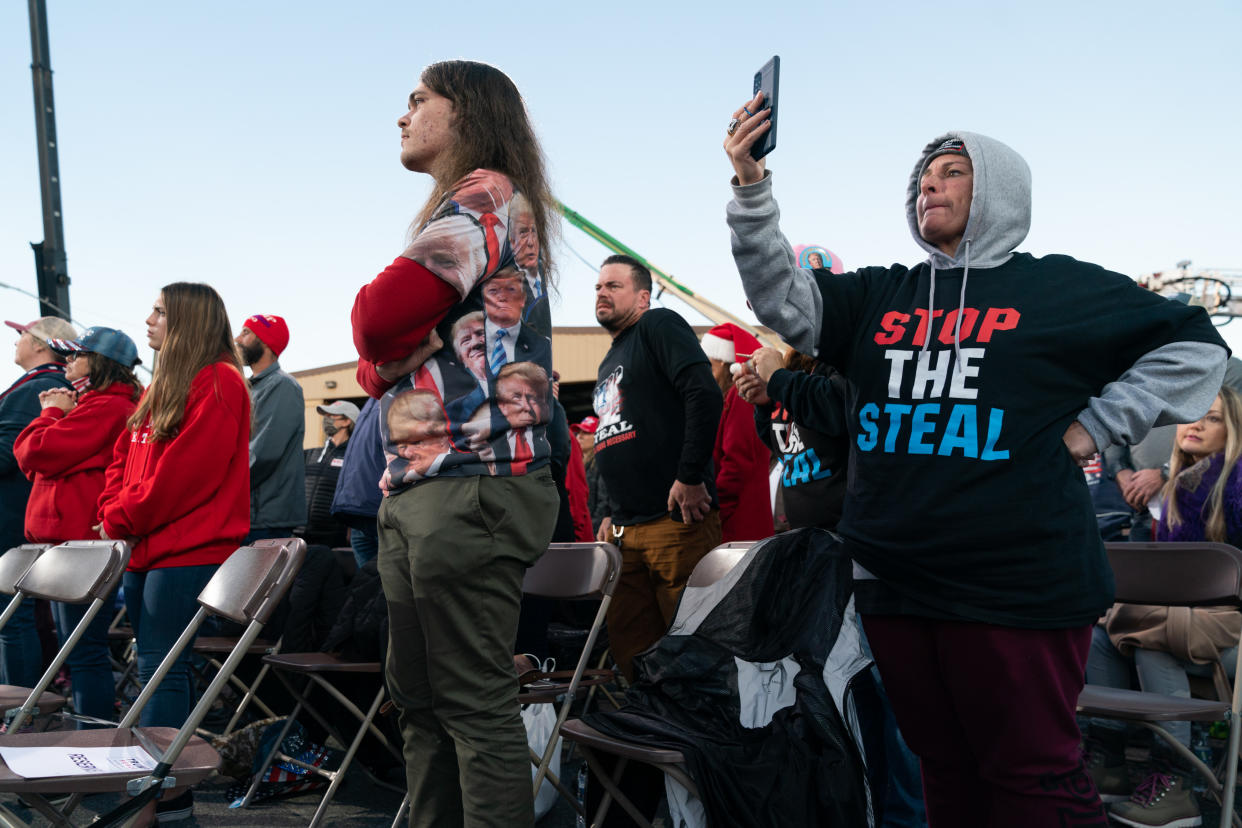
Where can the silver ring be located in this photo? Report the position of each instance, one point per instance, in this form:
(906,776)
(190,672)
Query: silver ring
(733,122)
(747,111)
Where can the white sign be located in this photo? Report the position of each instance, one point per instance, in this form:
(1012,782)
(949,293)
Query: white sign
(63,760)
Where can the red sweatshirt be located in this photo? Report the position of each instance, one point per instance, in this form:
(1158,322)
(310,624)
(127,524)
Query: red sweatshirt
(187,499)
(64,456)
(394,314)
(576,484)
(741,474)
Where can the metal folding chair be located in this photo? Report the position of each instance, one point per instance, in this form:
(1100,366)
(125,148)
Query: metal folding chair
(317,668)
(13,564)
(73,573)
(213,649)
(1186,575)
(672,763)
(570,571)
(124,666)
(246,589)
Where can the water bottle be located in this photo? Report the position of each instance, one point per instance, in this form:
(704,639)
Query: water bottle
(582,783)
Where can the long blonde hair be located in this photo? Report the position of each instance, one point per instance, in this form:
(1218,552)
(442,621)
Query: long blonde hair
(1231,411)
(198,334)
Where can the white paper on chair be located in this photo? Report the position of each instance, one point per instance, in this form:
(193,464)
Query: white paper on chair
(38,762)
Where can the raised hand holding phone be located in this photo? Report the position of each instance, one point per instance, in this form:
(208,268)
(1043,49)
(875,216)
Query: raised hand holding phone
(767,81)
(747,129)
(752,129)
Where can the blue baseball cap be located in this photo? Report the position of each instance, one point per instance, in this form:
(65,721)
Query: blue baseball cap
(108,342)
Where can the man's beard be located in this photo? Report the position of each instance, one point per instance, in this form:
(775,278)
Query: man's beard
(251,353)
(611,324)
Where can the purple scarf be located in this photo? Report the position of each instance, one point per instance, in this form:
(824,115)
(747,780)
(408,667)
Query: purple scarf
(1194,486)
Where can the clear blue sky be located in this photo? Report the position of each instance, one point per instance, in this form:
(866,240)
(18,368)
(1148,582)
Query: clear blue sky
(253,145)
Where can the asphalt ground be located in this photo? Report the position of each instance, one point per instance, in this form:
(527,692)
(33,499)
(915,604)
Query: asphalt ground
(358,803)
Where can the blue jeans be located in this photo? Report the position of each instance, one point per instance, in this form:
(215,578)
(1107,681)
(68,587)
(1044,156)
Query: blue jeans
(160,604)
(1140,528)
(1158,672)
(90,668)
(21,656)
(365,543)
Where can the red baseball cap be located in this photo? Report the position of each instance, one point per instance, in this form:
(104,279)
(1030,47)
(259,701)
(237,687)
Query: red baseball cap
(587,426)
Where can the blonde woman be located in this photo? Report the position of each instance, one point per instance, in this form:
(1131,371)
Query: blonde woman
(1202,501)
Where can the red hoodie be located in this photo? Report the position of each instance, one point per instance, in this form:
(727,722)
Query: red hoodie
(742,462)
(576,484)
(186,499)
(64,456)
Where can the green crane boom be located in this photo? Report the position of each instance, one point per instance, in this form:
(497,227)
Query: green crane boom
(704,306)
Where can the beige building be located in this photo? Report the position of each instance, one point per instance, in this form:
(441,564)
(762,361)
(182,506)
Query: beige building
(576,353)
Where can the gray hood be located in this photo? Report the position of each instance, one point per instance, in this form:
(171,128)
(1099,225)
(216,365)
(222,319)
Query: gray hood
(1000,215)
(1000,208)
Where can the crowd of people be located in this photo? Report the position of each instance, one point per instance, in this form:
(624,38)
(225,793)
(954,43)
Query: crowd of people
(943,439)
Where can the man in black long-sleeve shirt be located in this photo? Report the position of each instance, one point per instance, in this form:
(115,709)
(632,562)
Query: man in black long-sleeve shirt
(658,409)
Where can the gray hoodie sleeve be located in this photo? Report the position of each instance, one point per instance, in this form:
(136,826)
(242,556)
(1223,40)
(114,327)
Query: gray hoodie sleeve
(1174,383)
(783,295)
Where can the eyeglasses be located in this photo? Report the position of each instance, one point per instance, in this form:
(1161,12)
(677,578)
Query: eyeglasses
(73,355)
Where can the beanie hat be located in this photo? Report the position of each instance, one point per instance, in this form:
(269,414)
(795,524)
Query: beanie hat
(953,146)
(956,146)
(270,330)
(729,343)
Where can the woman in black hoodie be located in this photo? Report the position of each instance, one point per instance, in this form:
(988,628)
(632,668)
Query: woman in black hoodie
(985,378)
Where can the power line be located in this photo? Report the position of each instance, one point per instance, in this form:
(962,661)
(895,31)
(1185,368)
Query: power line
(53,306)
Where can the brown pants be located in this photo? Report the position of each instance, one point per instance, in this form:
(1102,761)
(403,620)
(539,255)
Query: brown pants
(657,558)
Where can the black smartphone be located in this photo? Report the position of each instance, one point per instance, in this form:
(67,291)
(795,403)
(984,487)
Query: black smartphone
(769,80)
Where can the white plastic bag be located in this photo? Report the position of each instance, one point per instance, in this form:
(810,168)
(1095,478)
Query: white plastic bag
(540,719)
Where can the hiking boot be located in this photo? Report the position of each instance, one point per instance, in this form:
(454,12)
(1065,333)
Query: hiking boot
(176,809)
(1159,801)
(1109,775)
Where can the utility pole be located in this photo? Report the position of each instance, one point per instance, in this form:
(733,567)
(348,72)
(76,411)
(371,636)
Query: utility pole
(51,264)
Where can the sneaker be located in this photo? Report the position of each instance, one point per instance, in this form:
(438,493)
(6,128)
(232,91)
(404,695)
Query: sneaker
(176,809)
(1159,801)
(1109,775)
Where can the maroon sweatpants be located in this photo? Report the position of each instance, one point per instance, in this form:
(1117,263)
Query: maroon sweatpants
(989,711)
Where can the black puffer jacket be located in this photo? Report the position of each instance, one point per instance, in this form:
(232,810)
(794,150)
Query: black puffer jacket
(361,629)
(323,467)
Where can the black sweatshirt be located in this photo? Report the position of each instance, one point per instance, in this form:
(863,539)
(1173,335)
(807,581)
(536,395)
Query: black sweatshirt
(806,425)
(658,409)
(963,498)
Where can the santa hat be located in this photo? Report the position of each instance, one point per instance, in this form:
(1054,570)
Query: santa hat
(729,343)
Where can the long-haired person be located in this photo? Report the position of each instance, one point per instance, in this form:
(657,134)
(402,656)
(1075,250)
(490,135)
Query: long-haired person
(467,511)
(65,451)
(1202,501)
(179,487)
